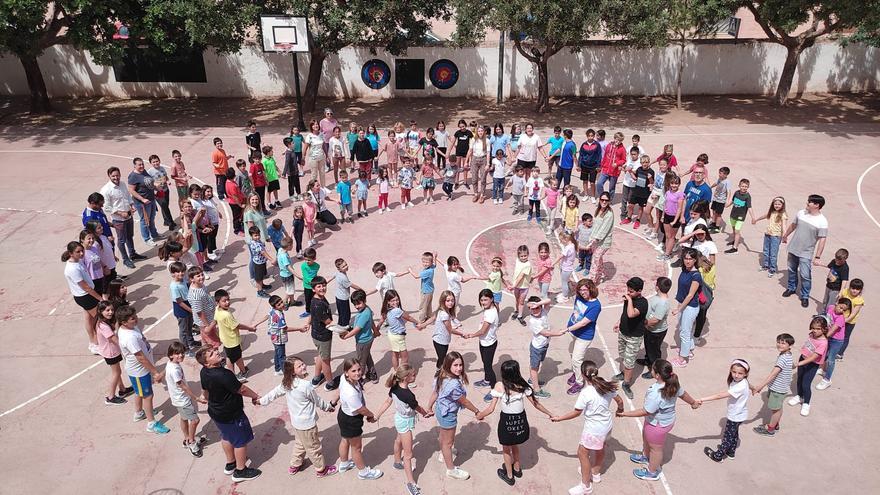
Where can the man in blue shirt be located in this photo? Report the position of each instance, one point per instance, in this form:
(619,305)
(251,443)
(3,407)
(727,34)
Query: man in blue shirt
(696,190)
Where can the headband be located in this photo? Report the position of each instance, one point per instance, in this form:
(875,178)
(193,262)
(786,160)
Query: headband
(740,362)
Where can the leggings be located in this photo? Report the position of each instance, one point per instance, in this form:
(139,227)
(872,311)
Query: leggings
(447,188)
(704,308)
(441,159)
(293,186)
(261,192)
(535,204)
(441,350)
(805,375)
(565,276)
(383,200)
(487,355)
(298,226)
(729,438)
(212,238)
(404,195)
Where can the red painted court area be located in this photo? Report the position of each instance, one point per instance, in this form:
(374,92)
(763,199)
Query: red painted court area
(59,437)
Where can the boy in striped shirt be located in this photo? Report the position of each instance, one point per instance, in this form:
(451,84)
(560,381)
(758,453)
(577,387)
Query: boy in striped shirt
(780,384)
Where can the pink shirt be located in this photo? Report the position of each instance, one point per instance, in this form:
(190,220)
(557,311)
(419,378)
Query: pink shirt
(552,197)
(310,210)
(670,207)
(543,264)
(391,148)
(107,348)
(327,126)
(819,346)
(836,319)
(178,173)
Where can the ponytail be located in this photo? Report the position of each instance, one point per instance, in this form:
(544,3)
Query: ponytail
(71,247)
(399,375)
(663,368)
(590,372)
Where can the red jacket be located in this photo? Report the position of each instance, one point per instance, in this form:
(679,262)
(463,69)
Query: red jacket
(613,159)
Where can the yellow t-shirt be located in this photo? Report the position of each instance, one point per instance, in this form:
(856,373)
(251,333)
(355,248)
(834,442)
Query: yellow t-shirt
(856,301)
(494,282)
(570,218)
(227,327)
(524,269)
(709,276)
(774,224)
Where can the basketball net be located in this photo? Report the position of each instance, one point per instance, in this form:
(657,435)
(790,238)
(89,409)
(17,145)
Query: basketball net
(284,47)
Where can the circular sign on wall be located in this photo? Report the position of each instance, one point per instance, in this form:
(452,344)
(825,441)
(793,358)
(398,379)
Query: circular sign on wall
(443,74)
(376,74)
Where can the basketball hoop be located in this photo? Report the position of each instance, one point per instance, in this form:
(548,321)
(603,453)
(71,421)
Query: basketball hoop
(285,48)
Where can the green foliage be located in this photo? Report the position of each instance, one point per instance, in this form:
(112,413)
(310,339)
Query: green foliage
(780,18)
(677,21)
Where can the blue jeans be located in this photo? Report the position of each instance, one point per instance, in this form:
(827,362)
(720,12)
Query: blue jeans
(147,216)
(849,328)
(686,321)
(497,188)
(771,252)
(280,356)
(834,347)
(563,176)
(125,237)
(800,266)
(600,183)
(585,259)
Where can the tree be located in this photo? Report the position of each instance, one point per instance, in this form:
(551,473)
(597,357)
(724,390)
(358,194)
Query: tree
(539,30)
(335,24)
(29,27)
(798,24)
(672,21)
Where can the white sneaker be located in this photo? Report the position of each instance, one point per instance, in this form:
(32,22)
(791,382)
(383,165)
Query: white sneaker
(794,400)
(370,474)
(805,409)
(312,242)
(821,372)
(596,477)
(402,206)
(93,348)
(213,257)
(594,200)
(345,466)
(409,203)
(381,211)
(150,242)
(823,384)
(580,489)
(279,373)
(457,473)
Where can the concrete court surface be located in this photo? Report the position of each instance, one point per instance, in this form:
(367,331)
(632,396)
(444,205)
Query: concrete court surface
(59,437)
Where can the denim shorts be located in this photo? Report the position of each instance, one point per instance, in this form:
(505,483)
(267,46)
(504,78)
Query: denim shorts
(496,296)
(446,422)
(536,356)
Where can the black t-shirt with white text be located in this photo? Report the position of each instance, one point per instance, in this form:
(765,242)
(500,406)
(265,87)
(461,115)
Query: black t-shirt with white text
(463,142)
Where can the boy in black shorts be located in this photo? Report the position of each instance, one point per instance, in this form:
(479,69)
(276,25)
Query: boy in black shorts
(720,191)
(638,197)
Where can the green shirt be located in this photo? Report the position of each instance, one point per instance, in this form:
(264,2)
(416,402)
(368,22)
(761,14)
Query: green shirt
(269,169)
(309,271)
(259,221)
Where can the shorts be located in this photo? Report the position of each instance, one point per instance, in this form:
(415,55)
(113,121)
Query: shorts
(496,296)
(589,174)
(143,385)
(592,442)
(398,342)
(323,348)
(259,271)
(656,434)
(345,207)
(188,412)
(350,426)
(238,433)
(717,207)
(657,200)
(403,425)
(774,400)
(668,220)
(113,360)
(233,354)
(86,302)
(536,356)
(737,224)
(520,292)
(274,185)
(638,200)
(528,165)
(627,348)
(446,422)
(428,183)
(289,285)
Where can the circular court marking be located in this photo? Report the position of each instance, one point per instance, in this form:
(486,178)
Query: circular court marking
(859,193)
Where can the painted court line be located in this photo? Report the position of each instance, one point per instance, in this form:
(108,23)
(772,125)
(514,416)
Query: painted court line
(859,193)
(73,377)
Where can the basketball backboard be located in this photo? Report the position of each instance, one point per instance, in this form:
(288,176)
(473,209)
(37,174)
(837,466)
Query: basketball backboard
(284,33)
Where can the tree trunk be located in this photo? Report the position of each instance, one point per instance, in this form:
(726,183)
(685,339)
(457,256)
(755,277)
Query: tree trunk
(543,103)
(785,80)
(678,77)
(37,86)
(316,68)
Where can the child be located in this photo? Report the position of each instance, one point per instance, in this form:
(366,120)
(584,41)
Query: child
(285,271)
(656,201)
(450,172)
(720,191)
(445,325)
(540,328)
(426,281)
(551,195)
(405,180)
(243,179)
(570,213)
(299,226)
(566,265)
(301,403)
(203,307)
(594,403)
(108,347)
(259,257)
(343,187)
(589,158)
(638,197)
(737,395)
(630,330)
(584,247)
(390,148)
(448,398)
(270,167)
(812,356)
(776,219)
(555,153)
(362,190)
(384,186)
(183,398)
(95,211)
(386,279)
(544,273)
(628,176)
(668,156)
(522,278)
(393,313)
(656,324)
(220,161)
(779,380)
(292,159)
(495,279)
(310,217)
(252,138)
(276,232)
(351,136)
(364,331)
(116,293)
(138,357)
(352,411)
(405,408)
(836,314)
(258,179)
(180,175)
(673,215)
(277,331)
(319,320)
(488,335)
(518,189)
(513,425)
(309,268)
(343,293)
(534,189)
(230,334)
(455,277)
(336,151)
(837,278)
(180,306)
(742,203)
(428,183)
(499,175)
(854,294)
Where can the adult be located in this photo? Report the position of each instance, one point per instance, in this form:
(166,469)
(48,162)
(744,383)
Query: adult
(527,153)
(630,331)
(163,193)
(119,205)
(601,236)
(326,126)
(810,228)
(582,326)
(320,197)
(689,283)
(314,150)
(696,190)
(478,160)
(613,159)
(223,392)
(142,189)
(82,288)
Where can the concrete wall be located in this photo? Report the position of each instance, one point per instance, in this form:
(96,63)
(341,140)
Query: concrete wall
(747,67)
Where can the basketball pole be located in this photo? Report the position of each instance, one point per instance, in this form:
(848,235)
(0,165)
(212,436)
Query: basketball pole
(500,96)
(299,103)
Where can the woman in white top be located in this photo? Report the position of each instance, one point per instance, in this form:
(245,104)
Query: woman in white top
(313,152)
(476,157)
(527,153)
(488,335)
(352,410)
(513,426)
(82,288)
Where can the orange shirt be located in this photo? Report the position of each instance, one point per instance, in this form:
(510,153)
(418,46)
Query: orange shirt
(221,163)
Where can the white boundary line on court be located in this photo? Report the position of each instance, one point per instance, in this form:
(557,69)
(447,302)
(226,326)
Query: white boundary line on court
(859,193)
(147,330)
